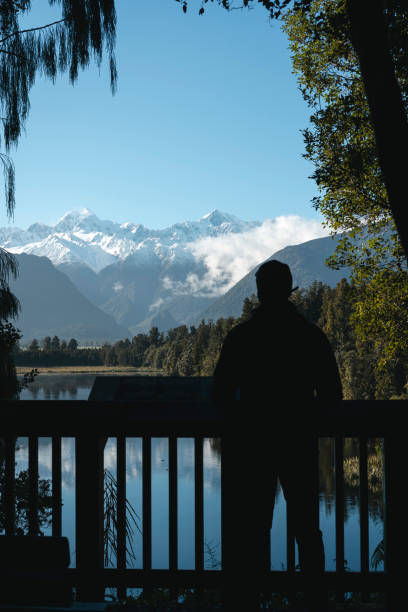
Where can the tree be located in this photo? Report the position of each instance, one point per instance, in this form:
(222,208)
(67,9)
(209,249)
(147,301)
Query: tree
(34,345)
(46,344)
(9,304)
(249,304)
(155,337)
(341,143)
(84,31)
(371,32)
(55,344)
(72,345)
(140,344)
(309,301)
(9,336)
(373,36)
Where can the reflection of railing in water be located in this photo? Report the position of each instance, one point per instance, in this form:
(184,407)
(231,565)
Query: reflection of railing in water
(91,422)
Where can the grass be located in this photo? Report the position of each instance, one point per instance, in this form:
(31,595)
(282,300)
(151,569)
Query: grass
(124,370)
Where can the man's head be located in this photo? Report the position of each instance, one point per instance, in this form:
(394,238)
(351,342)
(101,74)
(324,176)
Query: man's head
(273,281)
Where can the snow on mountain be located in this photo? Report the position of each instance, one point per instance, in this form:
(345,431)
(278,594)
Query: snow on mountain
(81,237)
(145,277)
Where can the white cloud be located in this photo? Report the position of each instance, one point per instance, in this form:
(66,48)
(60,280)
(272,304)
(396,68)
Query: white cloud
(155,306)
(230,256)
(118,286)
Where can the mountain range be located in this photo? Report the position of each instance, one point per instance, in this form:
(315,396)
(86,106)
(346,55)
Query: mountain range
(51,305)
(81,238)
(130,278)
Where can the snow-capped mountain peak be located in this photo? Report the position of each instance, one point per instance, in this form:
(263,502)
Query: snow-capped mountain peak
(216,217)
(156,277)
(81,237)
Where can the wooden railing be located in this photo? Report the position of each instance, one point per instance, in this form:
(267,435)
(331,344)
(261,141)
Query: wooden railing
(91,423)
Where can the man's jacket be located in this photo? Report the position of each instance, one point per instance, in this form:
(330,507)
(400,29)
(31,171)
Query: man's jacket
(276,355)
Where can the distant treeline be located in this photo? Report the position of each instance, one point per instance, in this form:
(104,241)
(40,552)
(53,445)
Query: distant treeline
(194,351)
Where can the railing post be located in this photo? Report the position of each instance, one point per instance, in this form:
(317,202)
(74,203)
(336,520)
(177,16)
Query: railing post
(395,518)
(147,509)
(173,510)
(339,479)
(364,522)
(89,516)
(121,509)
(33,485)
(199,503)
(9,486)
(56,487)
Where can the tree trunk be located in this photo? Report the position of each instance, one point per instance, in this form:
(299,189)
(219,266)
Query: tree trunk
(388,115)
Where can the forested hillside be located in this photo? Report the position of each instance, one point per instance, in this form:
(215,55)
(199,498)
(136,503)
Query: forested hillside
(194,351)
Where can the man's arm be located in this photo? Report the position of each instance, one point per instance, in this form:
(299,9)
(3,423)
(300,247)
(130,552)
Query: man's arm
(328,383)
(225,377)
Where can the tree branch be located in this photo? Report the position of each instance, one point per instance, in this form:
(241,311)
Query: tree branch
(10,53)
(31,30)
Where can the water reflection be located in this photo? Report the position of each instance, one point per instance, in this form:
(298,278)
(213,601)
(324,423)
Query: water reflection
(59,387)
(212,498)
(44,471)
(69,386)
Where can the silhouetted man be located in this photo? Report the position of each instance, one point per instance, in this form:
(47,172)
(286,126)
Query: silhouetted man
(274,361)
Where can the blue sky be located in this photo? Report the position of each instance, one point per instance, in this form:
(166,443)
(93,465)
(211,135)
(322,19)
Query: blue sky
(207,115)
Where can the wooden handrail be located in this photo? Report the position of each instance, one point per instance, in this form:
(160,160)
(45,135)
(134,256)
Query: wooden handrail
(348,418)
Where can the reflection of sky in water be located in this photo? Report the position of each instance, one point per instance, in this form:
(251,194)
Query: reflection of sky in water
(212,504)
(67,480)
(59,387)
(160,517)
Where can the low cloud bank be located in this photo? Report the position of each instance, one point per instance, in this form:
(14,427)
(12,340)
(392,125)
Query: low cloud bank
(229,257)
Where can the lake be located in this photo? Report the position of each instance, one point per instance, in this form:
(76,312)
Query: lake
(78,386)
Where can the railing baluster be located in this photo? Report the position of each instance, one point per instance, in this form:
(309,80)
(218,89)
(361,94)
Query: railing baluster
(315,480)
(173,513)
(33,485)
(290,541)
(290,547)
(199,502)
(56,486)
(147,509)
(173,535)
(9,490)
(89,542)
(121,508)
(363,469)
(339,442)
(395,514)
(147,503)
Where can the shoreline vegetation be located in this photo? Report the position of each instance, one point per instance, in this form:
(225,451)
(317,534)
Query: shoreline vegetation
(193,351)
(101,369)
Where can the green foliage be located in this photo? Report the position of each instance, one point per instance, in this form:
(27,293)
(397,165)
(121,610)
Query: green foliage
(110,504)
(247,307)
(341,144)
(9,304)
(9,336)
(84,31)
(34,346)
(22,495)
(10,385)
(274,8)
(56,352)
(195,351)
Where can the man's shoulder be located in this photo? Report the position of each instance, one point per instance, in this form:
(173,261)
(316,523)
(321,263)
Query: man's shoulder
(240,329)
(315,330)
